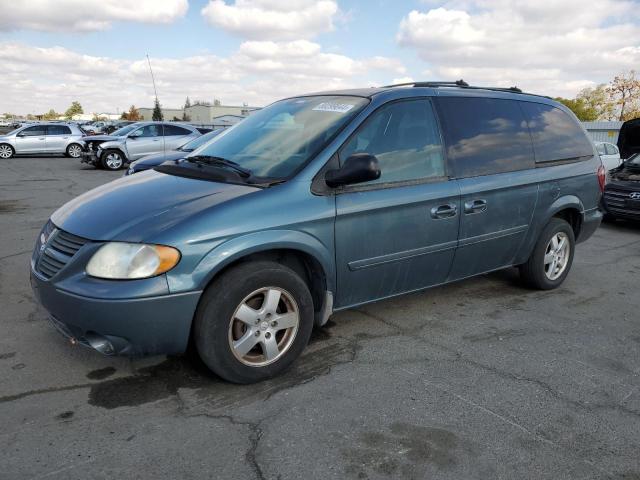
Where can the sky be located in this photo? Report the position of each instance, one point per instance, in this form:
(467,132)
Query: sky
(53,52)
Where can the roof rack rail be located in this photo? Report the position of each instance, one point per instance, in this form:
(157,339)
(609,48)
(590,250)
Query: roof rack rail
(458,83)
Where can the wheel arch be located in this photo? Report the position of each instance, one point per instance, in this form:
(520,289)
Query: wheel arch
(568,207)
(301,252)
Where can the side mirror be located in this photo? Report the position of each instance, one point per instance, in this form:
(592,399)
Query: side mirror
(358,168)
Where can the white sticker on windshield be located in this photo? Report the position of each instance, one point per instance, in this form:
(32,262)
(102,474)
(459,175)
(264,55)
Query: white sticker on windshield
(333,107)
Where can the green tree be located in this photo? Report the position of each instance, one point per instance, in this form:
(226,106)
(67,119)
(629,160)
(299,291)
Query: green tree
(597,101)
(187,104)
(74,109)
(580,108)
(51,115)
(157,112)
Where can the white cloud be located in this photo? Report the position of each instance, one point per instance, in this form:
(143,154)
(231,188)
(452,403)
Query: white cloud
(272,19)
(544,46)
(37,79)
(86,15)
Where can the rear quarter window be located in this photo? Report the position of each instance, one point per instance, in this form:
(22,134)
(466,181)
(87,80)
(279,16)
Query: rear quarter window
(484,136)
(172,130)
(556,136)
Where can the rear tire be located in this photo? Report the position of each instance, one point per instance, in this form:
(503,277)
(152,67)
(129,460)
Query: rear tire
(6,151)
(552,256)
(253,322)
(74,151)
(112,160)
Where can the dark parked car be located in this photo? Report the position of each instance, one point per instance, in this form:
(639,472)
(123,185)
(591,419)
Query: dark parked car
(150,161)
(622,192)
(313,205)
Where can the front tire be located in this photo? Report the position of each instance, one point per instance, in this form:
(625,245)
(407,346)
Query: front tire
(253,322)
(112,160)
(552,257)
(6,151)
(74,150)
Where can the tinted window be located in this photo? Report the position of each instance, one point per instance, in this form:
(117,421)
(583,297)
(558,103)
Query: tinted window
(404,137)
(33,131)
(600,148)
(58,130)
(611,149)
(170,130)
(556,136)
(485,135)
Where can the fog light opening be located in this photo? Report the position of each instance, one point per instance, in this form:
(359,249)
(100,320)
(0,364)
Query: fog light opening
(99,343)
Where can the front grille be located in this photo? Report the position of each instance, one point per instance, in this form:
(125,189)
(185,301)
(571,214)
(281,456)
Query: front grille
(615,198)
(59,249)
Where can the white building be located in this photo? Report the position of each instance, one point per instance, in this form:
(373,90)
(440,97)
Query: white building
(603,131)
(167,113)
(205,114)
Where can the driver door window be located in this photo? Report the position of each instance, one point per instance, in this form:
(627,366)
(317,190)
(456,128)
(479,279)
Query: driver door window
(404,137)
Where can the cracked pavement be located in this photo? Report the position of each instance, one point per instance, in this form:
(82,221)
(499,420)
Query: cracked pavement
(479,379)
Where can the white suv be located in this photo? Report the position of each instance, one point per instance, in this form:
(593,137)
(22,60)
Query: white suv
(42,138)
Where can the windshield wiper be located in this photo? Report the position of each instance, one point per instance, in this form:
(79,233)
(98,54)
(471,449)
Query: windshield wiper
(219,161)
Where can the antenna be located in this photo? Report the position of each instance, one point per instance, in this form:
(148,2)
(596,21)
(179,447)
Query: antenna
(153,80)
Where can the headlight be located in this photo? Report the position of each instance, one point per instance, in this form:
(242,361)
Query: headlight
(126,261)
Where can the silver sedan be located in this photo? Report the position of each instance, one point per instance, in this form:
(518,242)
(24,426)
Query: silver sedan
(42,138)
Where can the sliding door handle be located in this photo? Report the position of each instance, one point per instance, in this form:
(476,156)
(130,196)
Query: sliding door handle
(444,211)
(475,206)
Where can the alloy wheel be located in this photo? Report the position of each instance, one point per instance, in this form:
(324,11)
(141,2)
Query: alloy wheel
(74,151)
(264,326)
(556,256)
(113,161)
(5,151)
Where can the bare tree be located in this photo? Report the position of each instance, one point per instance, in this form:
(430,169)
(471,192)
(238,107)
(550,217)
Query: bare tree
(624,91)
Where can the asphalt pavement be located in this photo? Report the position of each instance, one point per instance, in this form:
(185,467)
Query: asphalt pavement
(481,379)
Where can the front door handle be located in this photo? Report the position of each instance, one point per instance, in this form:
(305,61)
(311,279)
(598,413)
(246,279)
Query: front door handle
(444,211)
(475,206)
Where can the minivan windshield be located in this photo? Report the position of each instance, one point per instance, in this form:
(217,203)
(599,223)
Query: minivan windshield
(278,140)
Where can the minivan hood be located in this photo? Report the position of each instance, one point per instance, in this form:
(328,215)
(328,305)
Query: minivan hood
(137,207)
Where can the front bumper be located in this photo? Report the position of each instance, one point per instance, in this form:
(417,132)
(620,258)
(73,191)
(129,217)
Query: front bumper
(618,204)
(132,326)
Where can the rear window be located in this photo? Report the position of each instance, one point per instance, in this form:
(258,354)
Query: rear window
(611,149)
(600,149)
(485,136)
(556,136)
